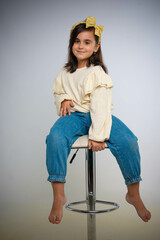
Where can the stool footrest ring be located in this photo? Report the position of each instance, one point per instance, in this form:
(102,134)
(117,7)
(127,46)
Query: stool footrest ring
(68,207)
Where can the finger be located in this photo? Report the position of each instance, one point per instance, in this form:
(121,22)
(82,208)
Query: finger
(64,112)
(61,111)
(72,104)
(69,111)
(103,147)
(89,144)
(99,148)
(93,149)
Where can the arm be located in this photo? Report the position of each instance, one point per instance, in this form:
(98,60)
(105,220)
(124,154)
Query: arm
(100,110)
(62,100)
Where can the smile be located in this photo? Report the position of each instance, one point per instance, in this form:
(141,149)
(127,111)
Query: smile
(80,52)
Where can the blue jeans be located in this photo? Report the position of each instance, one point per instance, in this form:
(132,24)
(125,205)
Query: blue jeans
(122,143)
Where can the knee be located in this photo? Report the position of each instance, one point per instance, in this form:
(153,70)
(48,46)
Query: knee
(130,142)
(55,138)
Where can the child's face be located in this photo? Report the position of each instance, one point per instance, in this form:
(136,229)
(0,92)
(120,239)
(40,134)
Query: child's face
(84,46)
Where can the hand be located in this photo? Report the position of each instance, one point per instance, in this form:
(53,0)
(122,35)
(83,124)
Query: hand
(96,146)
(65,107)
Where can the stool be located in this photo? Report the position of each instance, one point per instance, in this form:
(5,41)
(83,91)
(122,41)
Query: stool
(90,175)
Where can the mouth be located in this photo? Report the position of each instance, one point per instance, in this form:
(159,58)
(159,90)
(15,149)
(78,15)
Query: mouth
(80,52)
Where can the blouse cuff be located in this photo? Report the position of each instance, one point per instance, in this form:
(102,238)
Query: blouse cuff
(101,135)
(63,97)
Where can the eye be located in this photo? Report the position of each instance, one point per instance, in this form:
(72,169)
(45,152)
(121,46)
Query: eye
(76,41)
(87,42)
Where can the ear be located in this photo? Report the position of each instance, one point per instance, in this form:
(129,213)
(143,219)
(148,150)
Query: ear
(97,47)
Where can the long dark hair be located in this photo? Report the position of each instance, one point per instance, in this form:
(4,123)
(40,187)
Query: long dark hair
(95,59)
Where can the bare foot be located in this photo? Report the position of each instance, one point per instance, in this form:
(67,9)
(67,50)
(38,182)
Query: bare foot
(143,213)
(56,213)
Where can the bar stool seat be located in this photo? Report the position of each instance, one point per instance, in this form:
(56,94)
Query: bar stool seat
(82,142)
(90,174)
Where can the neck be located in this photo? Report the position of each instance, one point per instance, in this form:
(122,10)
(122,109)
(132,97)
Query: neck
(82,64)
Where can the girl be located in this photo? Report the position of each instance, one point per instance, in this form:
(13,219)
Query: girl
(82,91)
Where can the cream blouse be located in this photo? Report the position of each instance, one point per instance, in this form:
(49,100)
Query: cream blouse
(89,89)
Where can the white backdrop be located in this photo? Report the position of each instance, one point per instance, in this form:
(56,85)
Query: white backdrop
(33,47)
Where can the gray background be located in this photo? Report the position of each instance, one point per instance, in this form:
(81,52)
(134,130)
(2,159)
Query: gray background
(33,47)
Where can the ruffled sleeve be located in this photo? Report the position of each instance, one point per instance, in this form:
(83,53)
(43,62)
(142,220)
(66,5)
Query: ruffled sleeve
(58,91)
(97,91)
(96,79)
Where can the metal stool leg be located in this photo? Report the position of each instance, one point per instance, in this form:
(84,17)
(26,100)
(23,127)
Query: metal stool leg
(90,167)
(91,226)
(91,189)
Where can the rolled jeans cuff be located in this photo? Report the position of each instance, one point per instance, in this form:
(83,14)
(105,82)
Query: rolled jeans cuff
(133,180)
(55,178)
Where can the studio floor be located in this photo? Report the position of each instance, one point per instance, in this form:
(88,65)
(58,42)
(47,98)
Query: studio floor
(31,223)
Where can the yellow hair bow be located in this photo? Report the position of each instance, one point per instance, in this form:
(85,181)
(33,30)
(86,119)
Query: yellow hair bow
(91,22)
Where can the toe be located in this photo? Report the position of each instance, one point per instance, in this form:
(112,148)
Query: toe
(52,219)
(58,220)
(148,215)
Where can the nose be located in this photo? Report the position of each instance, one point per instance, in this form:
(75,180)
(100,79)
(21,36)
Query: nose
(80,45)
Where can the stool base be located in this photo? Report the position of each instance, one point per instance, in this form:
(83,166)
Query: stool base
(68,207)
